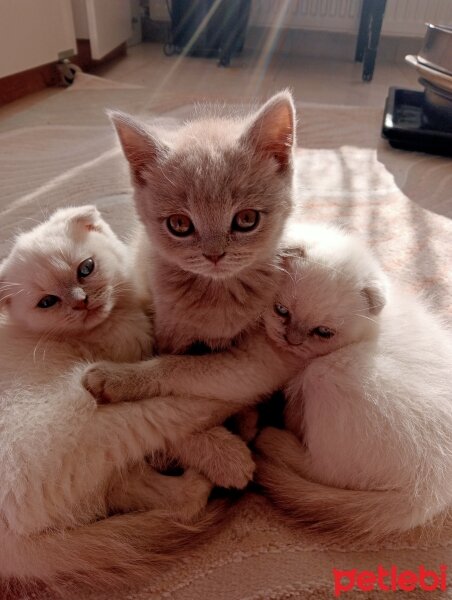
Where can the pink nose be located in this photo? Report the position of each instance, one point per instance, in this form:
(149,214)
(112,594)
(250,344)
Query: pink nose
(81,304)
(214,257)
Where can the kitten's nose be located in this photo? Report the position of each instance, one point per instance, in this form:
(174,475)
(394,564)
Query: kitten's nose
(296,336)
(214,257)
(81,304)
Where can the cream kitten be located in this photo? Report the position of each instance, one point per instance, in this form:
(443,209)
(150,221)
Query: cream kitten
(214,197)
(371,405)
(68,297)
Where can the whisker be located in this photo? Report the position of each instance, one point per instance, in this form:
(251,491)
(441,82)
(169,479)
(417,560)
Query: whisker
(366,317)
(13,295)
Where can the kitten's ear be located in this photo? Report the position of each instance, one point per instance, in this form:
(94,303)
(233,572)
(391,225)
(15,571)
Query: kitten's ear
(376,295)
(86,218)
(292,252)
(140,148)
(288,254)
(272,131)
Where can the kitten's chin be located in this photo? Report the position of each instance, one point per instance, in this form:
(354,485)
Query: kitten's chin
(298,351)
(96,317)
(215,272)
(219,272)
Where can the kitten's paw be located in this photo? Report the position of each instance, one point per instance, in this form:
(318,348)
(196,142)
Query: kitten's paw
(193,496)
(235,469)
(271,442)
(247,423)
(267,473)
(109,382)
(197,483)
(283,448)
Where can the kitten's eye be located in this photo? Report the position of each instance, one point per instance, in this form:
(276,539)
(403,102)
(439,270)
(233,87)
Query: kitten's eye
(48,301)
(180,225)
(322,332)
(281,310)
(85,268)
(245,220)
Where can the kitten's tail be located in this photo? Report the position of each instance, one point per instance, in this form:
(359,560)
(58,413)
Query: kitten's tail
(112,552)
(345,514)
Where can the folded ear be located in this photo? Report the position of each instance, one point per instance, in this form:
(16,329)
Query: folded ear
(141,149)
(288,254)
(292,252)
(376,294)
(272,131)
(82,218)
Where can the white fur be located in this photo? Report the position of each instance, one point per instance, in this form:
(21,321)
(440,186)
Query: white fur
(373,405)
(64,461)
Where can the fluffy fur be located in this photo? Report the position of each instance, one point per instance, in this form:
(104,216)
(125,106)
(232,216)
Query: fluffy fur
(212,284)
(370,410)
(65,463)
(208,171)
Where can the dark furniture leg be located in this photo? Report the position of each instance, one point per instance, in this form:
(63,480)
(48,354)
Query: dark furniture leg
(369,35)
(236,21)
(363,33)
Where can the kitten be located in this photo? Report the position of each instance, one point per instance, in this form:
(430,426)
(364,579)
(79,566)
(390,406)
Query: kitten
(213,197)
(68,297)
(371,406)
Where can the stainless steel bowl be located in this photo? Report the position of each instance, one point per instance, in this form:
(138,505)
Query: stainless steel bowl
(437,50)
(437,109)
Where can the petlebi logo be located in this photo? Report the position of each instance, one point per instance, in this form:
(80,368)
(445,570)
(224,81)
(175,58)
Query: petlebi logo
(390,579)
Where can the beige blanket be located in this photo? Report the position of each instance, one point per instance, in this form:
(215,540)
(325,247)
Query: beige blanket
(62,152)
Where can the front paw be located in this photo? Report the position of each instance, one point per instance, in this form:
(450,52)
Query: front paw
(109,382)
(234,469)
(283,449)
(238,473)
(275,443)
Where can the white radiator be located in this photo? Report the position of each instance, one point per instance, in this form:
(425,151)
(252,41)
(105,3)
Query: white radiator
(402,17)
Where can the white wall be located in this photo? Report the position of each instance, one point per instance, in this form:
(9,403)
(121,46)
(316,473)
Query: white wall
(33,32)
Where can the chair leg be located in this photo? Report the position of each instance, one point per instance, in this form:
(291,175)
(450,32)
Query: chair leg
(235,28)
(363,33)
(370,53)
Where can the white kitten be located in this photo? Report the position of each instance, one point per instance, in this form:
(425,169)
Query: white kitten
(373,405)
(68,296)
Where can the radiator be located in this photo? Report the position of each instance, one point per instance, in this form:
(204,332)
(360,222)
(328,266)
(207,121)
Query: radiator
(402,17)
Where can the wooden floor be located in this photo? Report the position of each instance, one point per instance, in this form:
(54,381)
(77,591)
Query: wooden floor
(250,76)
(254,74)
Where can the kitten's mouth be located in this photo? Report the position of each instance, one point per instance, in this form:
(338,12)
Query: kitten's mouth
(293,344)
(218,271)
(94,312)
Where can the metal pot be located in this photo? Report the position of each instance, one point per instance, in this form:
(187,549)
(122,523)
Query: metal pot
(437,109)
(437,50)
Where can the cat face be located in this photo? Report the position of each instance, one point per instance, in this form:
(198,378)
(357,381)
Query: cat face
(327,299)
(64,275)
(214,196)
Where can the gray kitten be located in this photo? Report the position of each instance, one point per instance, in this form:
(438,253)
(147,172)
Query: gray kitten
(214,197)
